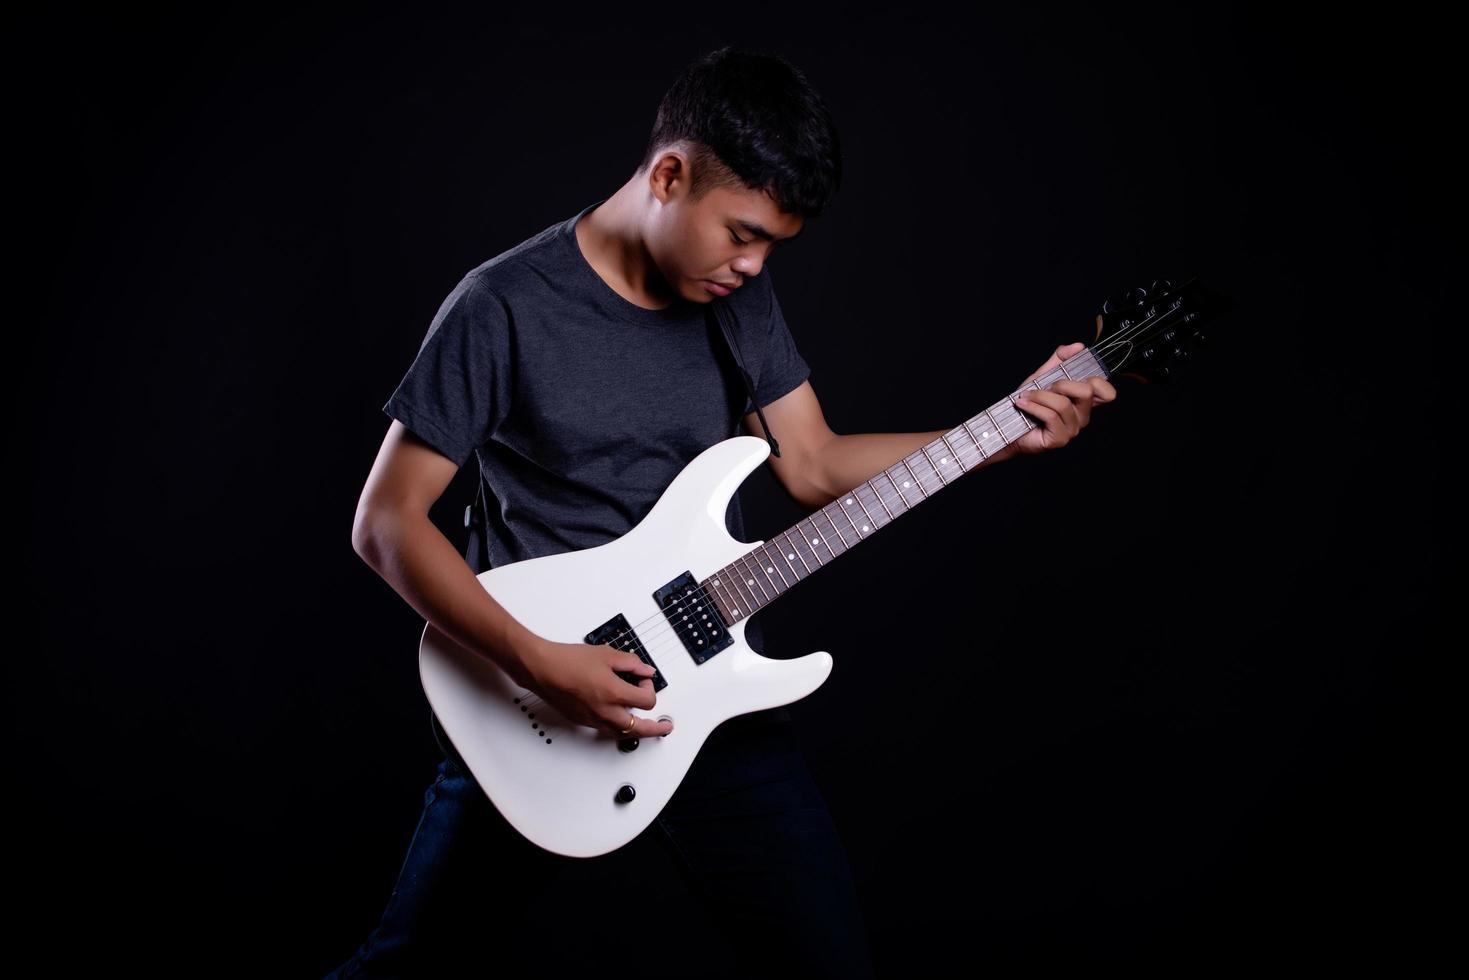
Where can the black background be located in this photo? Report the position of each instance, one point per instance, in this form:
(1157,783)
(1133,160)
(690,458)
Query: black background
(1157,698)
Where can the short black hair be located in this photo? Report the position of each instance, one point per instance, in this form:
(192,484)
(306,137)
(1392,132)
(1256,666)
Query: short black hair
(750,120)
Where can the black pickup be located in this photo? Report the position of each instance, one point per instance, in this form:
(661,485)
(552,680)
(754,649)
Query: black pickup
(617,632)
(694,617)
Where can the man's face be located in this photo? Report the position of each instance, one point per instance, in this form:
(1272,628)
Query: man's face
(717,238)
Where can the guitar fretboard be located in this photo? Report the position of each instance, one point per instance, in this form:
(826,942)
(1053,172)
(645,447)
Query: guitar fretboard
(761,575)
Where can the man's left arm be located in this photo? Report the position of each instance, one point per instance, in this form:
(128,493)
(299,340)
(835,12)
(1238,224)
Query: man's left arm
(817,464)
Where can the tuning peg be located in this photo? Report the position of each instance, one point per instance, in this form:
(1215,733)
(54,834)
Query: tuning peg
(1200,339)
(1161,286)
(1136,295)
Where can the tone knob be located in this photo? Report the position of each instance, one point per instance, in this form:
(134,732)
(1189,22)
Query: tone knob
(625,793)
(627,744)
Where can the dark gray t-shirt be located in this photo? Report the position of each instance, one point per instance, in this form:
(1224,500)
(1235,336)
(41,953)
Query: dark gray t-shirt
(581,406)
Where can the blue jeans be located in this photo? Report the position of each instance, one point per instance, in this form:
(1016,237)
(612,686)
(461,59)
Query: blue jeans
(742,873)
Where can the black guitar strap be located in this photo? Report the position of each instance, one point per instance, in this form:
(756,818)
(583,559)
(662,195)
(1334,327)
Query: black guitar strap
(477,515)
(720,309)
(476,518)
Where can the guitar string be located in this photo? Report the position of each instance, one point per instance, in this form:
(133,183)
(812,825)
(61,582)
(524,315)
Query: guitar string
(660,619)
(662,636)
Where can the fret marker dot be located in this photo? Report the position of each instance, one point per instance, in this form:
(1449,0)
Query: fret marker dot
(749,581)
(944,460)
(770,569)
(716,581)
(906,483)
(814,540)
(849,500)
(864,527)
(984,435)
(792,557)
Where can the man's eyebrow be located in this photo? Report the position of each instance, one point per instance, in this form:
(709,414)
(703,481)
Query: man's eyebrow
(758,230)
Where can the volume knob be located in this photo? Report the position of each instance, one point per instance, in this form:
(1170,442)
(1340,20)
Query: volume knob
(625,793)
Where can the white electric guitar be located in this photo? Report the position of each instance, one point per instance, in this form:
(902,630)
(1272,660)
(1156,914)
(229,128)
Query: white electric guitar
(678,591)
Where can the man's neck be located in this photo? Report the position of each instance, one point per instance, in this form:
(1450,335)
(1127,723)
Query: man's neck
(611,240)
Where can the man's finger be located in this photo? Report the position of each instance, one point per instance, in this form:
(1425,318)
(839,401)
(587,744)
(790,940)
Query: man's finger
(644,728)
(1061,353)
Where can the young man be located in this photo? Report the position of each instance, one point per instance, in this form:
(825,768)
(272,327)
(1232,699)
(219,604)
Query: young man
(579,369)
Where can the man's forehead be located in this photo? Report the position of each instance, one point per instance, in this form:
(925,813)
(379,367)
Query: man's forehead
(758,214)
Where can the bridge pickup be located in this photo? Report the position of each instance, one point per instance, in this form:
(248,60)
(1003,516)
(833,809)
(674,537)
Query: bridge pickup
(618,632)
(694,617)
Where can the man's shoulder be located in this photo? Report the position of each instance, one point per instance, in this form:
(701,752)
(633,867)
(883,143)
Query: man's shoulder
(753,301)
(508,274)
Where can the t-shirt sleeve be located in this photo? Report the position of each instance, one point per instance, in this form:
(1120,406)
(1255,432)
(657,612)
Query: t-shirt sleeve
(783,367)
(457,390)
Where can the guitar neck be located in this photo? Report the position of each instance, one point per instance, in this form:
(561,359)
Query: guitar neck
(763,574)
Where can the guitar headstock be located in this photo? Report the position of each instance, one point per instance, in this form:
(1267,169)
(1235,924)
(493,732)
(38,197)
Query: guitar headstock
(1148,332)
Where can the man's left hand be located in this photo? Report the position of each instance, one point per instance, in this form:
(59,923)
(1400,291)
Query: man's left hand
(1064,408)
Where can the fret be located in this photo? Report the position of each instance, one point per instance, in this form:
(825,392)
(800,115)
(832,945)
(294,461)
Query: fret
(929,475)
(896,479)
(953,455)
(774,559)
(980,442)
(877,489)
(924,450)
(737,580)
(769,570)
(818,540)
(708,586)
(752,581)
(840,536)
(974,444)
(721,582)
(1017,413)
(768,586)
(876,508)
(967,447)
(996,428)
(1029,423)
(853,501)
(804,546)
(914,479)
(756,578)
(936,467)
(793,555)
(751,578)
(898,500)
(771,566)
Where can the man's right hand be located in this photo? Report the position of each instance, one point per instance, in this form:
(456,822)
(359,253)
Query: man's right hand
(579,681)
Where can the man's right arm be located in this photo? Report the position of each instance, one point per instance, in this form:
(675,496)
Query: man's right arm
(392,532)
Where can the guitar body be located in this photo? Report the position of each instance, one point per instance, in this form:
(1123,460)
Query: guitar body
(562,784)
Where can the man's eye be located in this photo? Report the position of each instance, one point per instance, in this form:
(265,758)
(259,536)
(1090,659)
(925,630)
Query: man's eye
(736,239)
